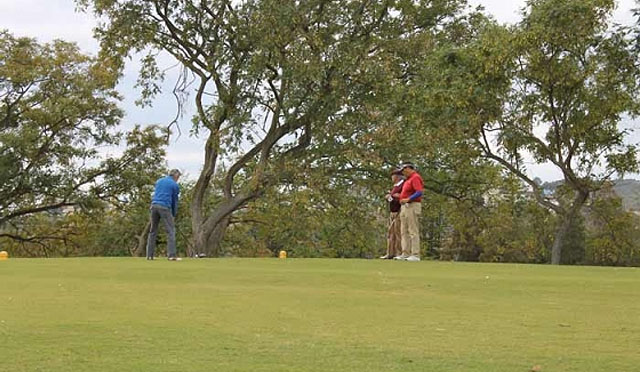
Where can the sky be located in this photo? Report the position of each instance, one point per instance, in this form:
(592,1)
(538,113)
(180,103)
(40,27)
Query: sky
(47,20)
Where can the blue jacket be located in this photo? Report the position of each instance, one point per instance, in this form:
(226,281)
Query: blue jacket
(166,194)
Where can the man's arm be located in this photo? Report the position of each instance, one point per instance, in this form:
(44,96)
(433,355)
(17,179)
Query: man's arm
(415,195)
(174,200)
(417,185)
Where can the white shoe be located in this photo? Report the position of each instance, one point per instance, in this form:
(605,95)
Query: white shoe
(413,258)
(402,257)
(386,257)
(175,258)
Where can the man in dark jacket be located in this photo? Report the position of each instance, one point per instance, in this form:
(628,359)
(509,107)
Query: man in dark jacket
(394,240)
(164,207)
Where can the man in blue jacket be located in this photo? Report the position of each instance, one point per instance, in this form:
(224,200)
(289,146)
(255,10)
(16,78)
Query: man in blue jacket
(164,206)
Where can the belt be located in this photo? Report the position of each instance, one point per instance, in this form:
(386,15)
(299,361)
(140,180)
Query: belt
(160,206)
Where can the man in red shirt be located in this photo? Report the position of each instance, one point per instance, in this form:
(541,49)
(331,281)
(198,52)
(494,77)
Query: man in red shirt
(411,201)
(394,239)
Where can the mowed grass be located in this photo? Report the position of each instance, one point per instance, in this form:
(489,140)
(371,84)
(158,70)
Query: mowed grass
(129,314)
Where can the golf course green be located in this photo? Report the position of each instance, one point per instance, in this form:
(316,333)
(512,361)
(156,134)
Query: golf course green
(129,314)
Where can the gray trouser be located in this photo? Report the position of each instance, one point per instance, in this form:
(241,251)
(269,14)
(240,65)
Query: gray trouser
(159,212)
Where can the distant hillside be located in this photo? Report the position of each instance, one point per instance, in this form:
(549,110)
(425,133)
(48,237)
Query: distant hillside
(628,190)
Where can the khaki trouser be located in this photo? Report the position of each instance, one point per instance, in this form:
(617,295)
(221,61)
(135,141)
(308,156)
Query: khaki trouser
(410,227)
(394,239)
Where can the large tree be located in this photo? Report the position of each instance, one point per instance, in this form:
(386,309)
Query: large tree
(269,76)
(58,107)
(571,80)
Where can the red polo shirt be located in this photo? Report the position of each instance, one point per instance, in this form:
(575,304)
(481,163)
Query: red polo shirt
(412,184)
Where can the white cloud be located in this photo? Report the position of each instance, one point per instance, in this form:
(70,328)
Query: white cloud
(48,20)
(178,157)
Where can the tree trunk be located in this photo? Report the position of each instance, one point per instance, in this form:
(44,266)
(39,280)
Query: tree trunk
(559,238)
(208,243)
(199,240)
(212,248)
(141,247)
(213,227)
(567,220)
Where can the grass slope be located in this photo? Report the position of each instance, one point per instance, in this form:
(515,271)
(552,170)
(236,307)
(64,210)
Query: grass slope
(100,314)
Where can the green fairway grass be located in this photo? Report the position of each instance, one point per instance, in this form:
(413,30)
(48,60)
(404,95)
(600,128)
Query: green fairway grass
(129,314)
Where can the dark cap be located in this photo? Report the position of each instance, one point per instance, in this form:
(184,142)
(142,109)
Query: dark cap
(396,171)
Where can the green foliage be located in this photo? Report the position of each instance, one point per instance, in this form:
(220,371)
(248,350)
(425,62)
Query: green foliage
(276,81)
(553,88)
(49,234)
(636,13)
(318,219)
(613,234)
(58,107)
(504,224)
(579,79)
(306,107)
